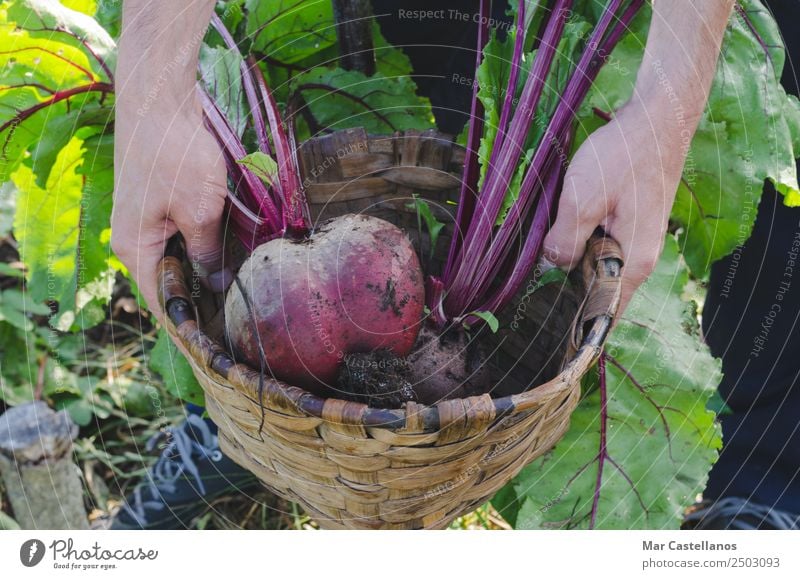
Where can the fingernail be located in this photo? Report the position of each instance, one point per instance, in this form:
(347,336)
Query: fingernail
(219,281)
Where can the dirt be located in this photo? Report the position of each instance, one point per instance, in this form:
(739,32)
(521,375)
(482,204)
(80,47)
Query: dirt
(379,379)
(448,365)
(441,367)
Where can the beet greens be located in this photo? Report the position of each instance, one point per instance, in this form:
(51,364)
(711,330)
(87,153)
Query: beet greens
(261,209)
(482,272)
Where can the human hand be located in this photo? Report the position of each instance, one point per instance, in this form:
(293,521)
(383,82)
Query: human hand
(625,175)
(170,177)
(623,178)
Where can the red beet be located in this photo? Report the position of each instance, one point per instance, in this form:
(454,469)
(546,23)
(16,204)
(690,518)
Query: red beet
(354,286)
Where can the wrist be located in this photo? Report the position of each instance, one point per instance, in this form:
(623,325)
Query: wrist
(158,55)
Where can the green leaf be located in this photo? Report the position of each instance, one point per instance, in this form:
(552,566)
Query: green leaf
(489,318)
(340,99)
(7,523)
(58,61)
(167,360)
(264,166)
(91,402)
(63,231)
(15,307)
(290,31)
(433,225)
(7,271)
(86,6)
(8,202)
(221,74)
(140,399)
(18,365)
(46,224)
(94,277)
(389,61)
(231,12)
(744,138)
(60,131)
(109,16)
(660,439)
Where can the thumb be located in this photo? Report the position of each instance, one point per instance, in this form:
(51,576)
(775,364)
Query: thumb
(578,216)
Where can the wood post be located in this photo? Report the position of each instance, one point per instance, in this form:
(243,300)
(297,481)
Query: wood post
(42,481)
(354,30)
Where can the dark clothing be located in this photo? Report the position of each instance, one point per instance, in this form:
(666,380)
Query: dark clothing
(439,37)
(751,320)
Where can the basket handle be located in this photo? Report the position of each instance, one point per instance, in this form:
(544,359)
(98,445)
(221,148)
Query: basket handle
(601,270)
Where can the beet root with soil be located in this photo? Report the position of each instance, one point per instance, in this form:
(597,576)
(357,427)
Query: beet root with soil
(354,286)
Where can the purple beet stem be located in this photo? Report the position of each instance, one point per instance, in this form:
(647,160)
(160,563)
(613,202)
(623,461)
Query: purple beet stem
(259,213)
(557,138)
(498,176)
(469,179)
(472,267)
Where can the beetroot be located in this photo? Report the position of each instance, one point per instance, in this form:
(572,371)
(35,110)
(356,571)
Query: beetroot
(447,365)
(354,286)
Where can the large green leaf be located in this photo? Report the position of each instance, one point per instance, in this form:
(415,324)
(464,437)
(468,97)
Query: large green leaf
(340,99)
(744,138)
(167,360)
(290,31)
(638,458)
(46,224)
(63,231)
(58,62)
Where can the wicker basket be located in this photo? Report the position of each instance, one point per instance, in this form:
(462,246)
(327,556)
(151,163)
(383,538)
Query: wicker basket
(351,466)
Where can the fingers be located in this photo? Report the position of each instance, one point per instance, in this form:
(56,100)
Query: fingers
(580,210)
(641,241)
(141,251)
(201,225)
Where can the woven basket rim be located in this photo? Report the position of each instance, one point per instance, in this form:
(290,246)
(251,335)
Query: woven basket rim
(602,266)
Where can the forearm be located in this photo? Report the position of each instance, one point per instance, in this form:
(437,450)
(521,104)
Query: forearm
(158,53)
(680,60)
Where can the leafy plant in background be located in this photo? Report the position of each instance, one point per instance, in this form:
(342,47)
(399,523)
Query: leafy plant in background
(641,442)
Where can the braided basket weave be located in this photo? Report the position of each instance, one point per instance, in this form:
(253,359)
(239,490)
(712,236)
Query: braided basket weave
(351,466)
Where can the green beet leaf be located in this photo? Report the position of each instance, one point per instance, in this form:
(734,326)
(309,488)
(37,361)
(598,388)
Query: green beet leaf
(262,165)
(745,137)
(63,231)
(290,31)
(167,360)
(221,74)
(339,99)
(59,62)
(660,440)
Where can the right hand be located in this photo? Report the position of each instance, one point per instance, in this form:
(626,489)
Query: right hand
(170,177)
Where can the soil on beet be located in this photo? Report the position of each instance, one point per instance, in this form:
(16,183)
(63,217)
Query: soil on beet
(441,367)
(449,365)
(378,379)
